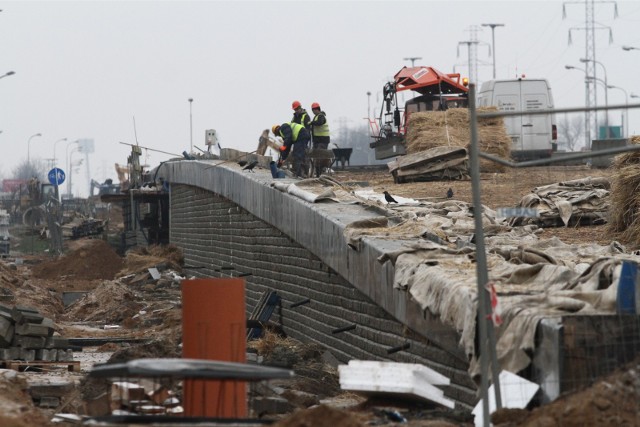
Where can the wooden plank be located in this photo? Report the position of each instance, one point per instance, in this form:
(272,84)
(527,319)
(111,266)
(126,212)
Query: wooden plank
(460,165)
(21,365)
(431,155)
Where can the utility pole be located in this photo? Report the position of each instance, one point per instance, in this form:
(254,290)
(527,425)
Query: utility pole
(191,124)
(412,59)
(472,47)
(493,44)
(591,96)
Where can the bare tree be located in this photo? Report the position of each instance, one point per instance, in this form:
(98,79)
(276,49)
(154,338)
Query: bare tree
(571,130)
(27,170)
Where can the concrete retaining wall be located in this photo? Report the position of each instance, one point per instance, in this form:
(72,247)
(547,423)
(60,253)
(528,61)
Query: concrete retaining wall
(215,232)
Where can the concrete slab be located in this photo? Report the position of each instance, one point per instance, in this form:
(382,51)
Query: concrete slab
(406,380)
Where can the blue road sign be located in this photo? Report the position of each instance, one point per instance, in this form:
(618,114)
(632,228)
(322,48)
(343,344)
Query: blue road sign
(56,176)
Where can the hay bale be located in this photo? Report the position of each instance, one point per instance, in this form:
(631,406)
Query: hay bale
(431,129)
(624,213)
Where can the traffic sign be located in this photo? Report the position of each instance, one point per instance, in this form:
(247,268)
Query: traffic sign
(56,176)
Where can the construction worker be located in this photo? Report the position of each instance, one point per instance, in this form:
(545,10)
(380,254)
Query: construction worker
(319,128)
(300,115)
(296,135)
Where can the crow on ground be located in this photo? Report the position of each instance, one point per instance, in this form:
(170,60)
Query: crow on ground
(250,166)
(389,198)
(242,162)
(449,193)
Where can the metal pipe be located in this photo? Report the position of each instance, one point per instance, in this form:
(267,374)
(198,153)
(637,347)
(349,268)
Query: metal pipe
(487,346)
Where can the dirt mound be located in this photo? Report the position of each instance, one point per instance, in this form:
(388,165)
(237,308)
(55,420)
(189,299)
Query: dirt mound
(321,416)
(111,302)
(17,406)
(93,260)
(142,258)
(612,401)
(162,348)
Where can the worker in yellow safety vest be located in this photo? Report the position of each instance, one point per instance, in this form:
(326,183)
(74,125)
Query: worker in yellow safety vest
(300,115)
(296,135)
(319,128)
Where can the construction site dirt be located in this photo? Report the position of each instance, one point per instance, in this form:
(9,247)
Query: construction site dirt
(120,300)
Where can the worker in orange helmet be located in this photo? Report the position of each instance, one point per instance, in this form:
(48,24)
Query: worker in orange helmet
(300,115)
(296,135)
(319,128)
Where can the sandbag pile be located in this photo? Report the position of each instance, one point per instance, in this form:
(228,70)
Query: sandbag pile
(624,213)
(431,129)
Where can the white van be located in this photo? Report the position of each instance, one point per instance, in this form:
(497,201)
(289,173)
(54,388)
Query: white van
(534,136)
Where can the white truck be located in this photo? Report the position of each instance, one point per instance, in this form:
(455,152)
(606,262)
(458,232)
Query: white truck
(532,136)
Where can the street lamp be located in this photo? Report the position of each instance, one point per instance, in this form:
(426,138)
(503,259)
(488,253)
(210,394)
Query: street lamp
(493,44)
(587,126)
(630,48)
(54,150)
(633,95)
(412,59)
(7,74)
(606,102)
(624,117)
(68,159)
(29,147)
(606,113)
(368,105)
(191,124)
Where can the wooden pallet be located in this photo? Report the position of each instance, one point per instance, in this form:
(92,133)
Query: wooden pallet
(21,365)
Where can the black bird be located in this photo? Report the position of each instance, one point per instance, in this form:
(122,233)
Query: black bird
(242,162)
(389,198)
(449,193)
(250,166)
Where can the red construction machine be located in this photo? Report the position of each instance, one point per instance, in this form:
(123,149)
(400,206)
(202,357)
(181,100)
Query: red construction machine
(436,91)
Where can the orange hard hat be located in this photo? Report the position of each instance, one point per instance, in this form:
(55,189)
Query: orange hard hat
(275,129)
(296,104)
(315,105)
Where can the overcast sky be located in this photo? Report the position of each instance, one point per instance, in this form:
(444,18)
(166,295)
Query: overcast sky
(86,69)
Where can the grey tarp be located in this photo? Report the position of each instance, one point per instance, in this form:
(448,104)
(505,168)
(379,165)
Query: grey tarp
(568,202)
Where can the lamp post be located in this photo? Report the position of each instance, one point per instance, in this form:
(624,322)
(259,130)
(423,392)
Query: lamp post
(630,48)
(493,44)
(624,118)
(7,74)
(412,59)
(368,105)
(606,113)
(606,102)
(54,150)
(191,124)
(587,128)
(29,147)
(68,158)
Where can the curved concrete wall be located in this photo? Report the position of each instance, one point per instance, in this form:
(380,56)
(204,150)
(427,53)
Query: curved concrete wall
(223,217)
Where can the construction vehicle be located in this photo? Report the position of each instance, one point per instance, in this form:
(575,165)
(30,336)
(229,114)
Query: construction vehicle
(107,187)
(436,91)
